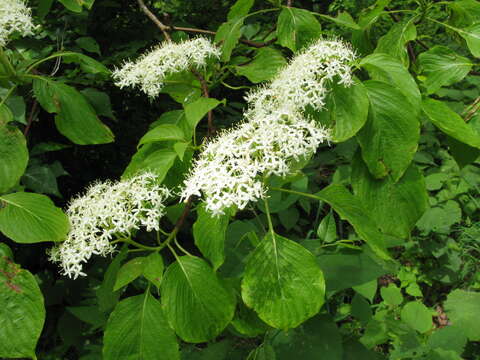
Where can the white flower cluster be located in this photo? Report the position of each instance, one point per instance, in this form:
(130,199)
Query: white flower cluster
(106,212)
(151,69)
(15,16)
(230,171)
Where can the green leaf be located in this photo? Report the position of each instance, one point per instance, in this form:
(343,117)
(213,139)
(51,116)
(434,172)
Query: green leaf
(368,289)
(87,63)
(327,230)
(347,109)
(396,207)
(23,311)
(196,110)
(442,67)
(384,67)
(342,19)
(129,272)
(43,9)
(138,329)
(297,28)
(440,219)
(5,251)
(230,33)
(390,137)
(166,132)
(13,154)
(343,271)
(6,115)
(198,306)
(31,218)
(393,42)
(361,309)
(76,119)
(391,295)
(450,122)
(264,66)
(247,322)
(153,268)
(240,9)
(72,5)
(89,44)
(319,335)
(209,234)
(464,12)
(450,337)
(350,208)
(41,179)
(107,298)
(100,102)
(151,158)
(463,310)
(418,316)
(353,350)
(283,283)
(471,34)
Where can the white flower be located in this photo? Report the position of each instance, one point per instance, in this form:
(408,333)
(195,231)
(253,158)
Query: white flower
(230,171)
(106,212)
(15,16)
(305,80)
(150,70)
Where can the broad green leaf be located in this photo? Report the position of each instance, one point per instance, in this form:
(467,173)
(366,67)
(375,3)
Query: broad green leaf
(440,354)
(6,114)
(354,350)
(463,310)
(263,352)
(247,322)
(100,102)
(450,122)
(196,110)
(183,87)
(343,271)
(44,7)
(394,42)
(89,44)
(151,158)
(443,67)
(73,5)
(31,218)
(391,295)
(240,9)
(384,67)
(107,298)
(464,12)
(418,316)
(229,33)
(283,283)
(346,110)
(450,337)
(76,119)
(439,219)
(396,207)
(87,63)
(327,230)
(197,304)
(153,268)
(209,234)
(471,35)
(166,132)
(129,272)
(319,335)
(88,314)
(361,309)
(13,154)
(41,179)
(264,66)
(367,289)
(350,208)
(370,15)
(23,311)
(138,329)
(297,28)
(5,251)
(390,137)
(342,19)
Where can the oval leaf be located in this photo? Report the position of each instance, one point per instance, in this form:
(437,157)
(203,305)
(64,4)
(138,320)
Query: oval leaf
(264,66)
(165,132)
(32,218)
(283,282)
(296,28)
(390,137)
(197,304)
(138,329)
(23,311)
(13,155)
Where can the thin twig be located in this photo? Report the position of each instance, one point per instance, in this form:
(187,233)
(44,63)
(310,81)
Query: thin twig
(163,28)
(30,118)
(203,83)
